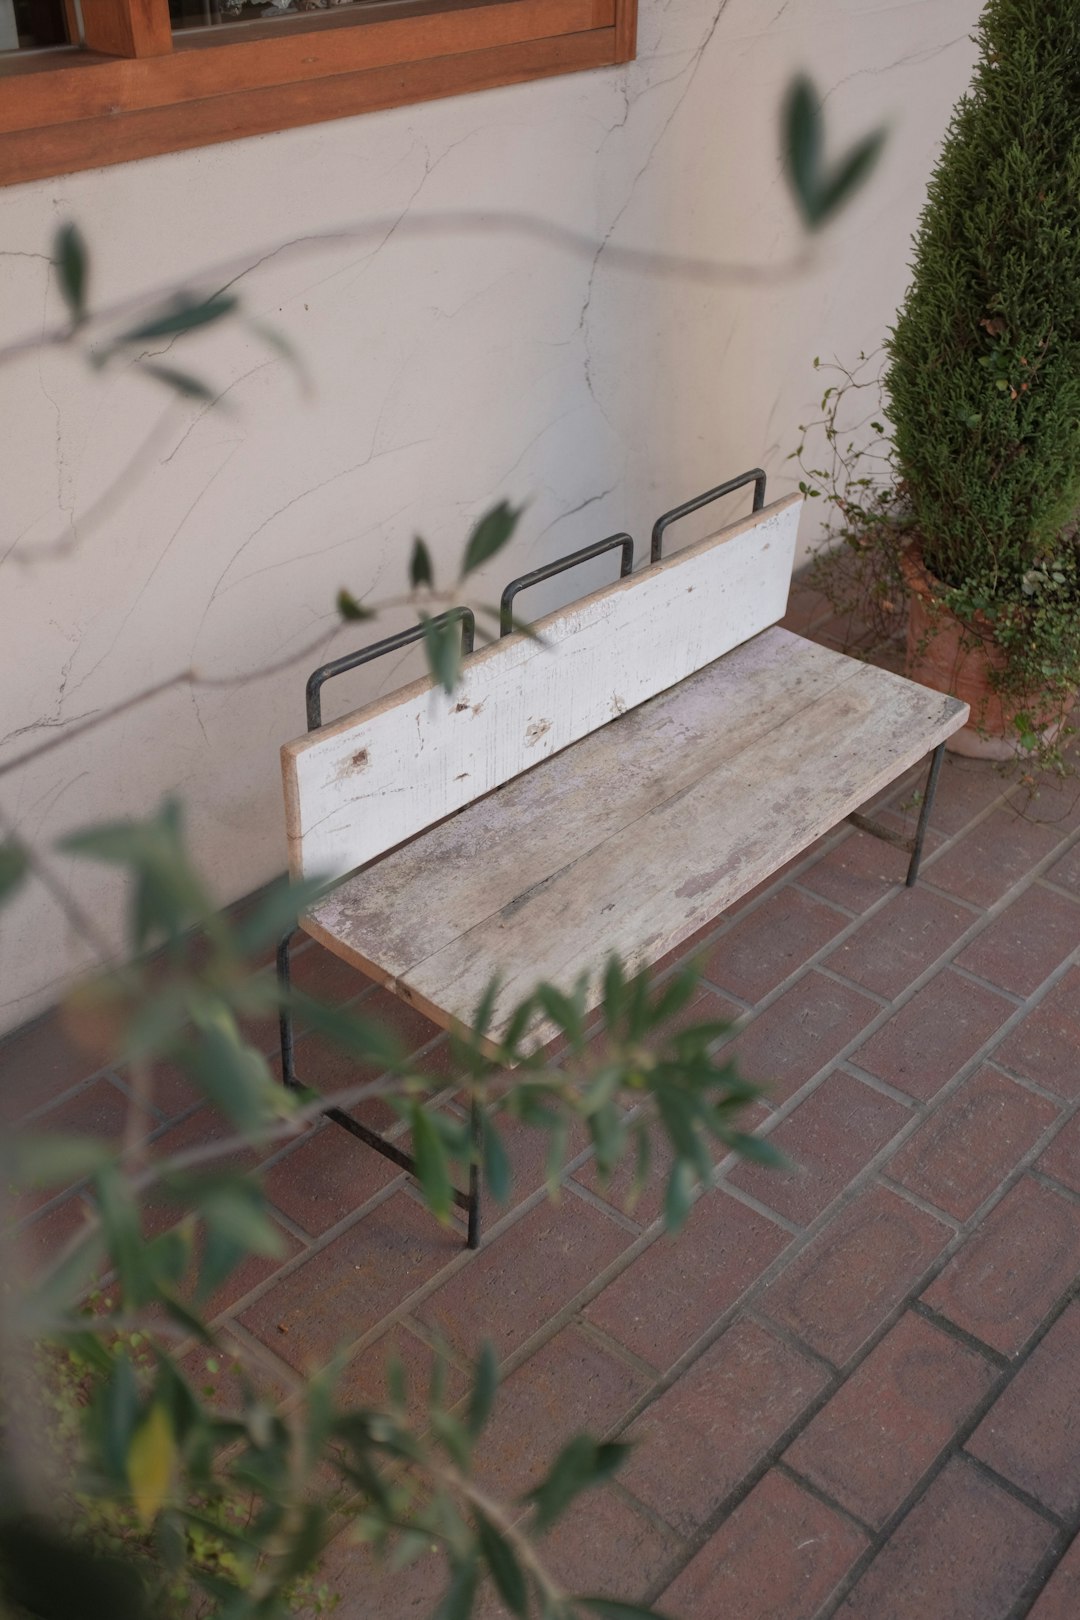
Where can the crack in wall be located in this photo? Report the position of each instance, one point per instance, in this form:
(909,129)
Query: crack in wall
(693,66)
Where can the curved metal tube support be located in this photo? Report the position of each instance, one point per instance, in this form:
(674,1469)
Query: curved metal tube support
(755,476)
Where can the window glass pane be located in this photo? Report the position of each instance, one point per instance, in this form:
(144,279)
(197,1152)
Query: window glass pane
(29,25)
(205,13)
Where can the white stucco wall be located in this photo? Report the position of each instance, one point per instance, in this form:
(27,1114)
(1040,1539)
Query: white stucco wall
(444,371)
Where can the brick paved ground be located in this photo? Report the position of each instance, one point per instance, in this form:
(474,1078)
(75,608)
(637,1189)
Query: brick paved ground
(855,1386)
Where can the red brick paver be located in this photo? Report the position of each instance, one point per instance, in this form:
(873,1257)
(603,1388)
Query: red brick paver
(966,1551)
(929,1040)
(842,1289)
(1027,942)
(514,1287)
(678,1288)
(984,865)
(899,942)
(768,944)
(1030,1434)
(1061,1160)
(341,1292)
(828,1139)
(782,1552)
(1045,1047)
(854,1386)
(709,1430)
(1014,1269)
(872,1443)
(965,1150)
(859,871)
(570,1383)
(800,1033)
(1060,1599)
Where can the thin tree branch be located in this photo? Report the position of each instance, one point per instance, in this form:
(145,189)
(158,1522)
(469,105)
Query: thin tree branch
(531,227)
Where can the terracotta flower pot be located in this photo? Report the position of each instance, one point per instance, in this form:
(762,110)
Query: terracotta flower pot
(948,656)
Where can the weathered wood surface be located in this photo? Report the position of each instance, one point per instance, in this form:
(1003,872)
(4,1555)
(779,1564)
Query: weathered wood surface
(364,784)
(640,834)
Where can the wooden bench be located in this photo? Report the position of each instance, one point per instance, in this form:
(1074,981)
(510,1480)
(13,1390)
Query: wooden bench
(613,786)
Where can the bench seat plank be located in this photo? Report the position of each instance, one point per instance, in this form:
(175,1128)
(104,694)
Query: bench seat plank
(638,835)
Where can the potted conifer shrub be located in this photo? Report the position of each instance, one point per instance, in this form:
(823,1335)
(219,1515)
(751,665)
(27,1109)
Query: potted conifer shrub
(972,520)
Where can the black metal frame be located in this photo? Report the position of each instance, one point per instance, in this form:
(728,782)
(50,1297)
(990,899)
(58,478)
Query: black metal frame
(559,566)
(755,476)
(913,846)
(470,1201)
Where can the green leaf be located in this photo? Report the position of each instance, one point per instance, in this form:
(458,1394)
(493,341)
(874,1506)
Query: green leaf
(72,268)
(758,1150)
(497,1172)
(275,913)
(818,194)
(848,175)
(567,1013)
(306,1544)
(169,897)
(505,1569)
(420,569)
(151,1459)
(482,1397)
(396,1381)
(120,1222)
(432,1171)
(614,998)
(803,138)
(57,1161)
(118,1411)
(490,535)
(185,313)
(232,1074)
(679,1197)
(350,609)
(14,866)
(581,1463)
(187,1318)
(556,1154)
(65,1286)
(168,1257)
(219,1259)
(676,994)
(451,1433)
(237,1210)
(181,382)
(485,1009)
(442,643)
(642,1160)
(369,1042)
(458,1599)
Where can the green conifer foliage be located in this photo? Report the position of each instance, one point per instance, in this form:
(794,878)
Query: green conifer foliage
(984,361)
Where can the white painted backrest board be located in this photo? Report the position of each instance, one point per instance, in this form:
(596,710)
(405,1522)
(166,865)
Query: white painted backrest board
(363,784)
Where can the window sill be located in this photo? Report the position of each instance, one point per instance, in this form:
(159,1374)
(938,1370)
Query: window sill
(65,111)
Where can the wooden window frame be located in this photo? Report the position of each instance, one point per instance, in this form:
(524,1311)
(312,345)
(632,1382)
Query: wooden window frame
(136,90)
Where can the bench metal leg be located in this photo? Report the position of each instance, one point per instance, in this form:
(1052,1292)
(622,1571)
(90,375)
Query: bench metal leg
(473,1205)
(913,846)
(285,1023)
(924,814)
(469,1202)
